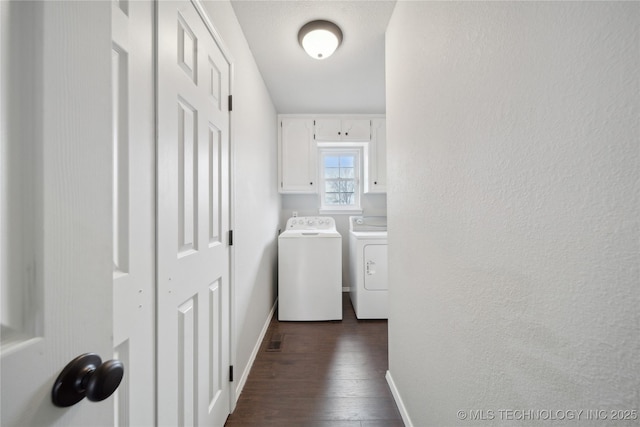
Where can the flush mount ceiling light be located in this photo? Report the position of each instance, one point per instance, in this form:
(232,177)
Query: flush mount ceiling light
(320,38)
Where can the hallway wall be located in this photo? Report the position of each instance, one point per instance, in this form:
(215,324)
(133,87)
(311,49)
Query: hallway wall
(257,202)
(514,173)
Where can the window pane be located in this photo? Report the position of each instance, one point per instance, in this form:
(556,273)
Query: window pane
(331,172)
(347,161)
(331,161)
(346,198)
(347,173)
(332,186)
(340,188)
(332,198)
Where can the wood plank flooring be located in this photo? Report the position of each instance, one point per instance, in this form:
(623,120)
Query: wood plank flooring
(319,374)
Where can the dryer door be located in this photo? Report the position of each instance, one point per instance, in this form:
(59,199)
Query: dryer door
(375,267)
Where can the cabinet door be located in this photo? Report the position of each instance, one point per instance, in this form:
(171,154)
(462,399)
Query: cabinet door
(376,180)
(334,130)
(328,130)
(356,130)
(297,156)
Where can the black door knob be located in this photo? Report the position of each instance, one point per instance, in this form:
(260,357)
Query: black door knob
(86,376)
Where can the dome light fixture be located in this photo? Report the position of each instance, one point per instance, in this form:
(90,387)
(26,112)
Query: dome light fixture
(320,38)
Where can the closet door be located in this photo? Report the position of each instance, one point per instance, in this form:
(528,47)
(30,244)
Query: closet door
(193,221)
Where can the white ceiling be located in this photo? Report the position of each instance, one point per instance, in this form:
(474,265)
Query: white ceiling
(350,81)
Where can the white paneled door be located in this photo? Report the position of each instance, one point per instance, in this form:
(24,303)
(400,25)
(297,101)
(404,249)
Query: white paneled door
(133,195)
(193,220)
(56,211)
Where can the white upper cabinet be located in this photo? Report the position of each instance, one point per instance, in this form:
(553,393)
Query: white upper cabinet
(297,155)
(300,135)
(340,129)
(376,159)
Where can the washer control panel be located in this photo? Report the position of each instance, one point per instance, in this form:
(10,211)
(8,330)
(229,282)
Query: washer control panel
(311,223)
(367,223)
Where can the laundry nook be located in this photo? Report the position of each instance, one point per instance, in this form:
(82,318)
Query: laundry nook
(336,213)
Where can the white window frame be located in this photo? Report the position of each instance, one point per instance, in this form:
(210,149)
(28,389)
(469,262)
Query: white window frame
(337,150)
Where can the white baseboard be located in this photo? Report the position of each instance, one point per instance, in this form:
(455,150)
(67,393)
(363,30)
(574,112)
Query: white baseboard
(396,396)
(346,289)
(245,374)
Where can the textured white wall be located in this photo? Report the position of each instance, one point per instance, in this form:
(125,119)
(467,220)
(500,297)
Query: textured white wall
(257,202)
(513,208)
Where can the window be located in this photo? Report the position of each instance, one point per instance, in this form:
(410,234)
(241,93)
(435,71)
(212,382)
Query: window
(339,179)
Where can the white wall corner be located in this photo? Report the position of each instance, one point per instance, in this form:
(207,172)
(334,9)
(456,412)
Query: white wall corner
(398,399)
(254,353)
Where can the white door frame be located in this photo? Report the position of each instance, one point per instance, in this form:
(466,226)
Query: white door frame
(134,203)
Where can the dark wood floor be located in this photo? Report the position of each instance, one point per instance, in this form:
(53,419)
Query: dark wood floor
(319,374)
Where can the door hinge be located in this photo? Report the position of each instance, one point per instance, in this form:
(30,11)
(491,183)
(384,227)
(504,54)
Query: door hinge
(230,102)
(231,373)
(230,237)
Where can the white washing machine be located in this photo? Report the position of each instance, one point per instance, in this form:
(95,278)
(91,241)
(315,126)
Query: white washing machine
(368,266)
(310,270)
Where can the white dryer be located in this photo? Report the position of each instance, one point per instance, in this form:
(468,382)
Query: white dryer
(310,270)
(368,266)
